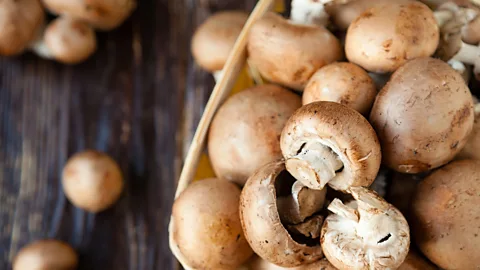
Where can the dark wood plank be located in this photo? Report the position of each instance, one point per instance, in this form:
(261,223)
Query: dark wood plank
(139,99)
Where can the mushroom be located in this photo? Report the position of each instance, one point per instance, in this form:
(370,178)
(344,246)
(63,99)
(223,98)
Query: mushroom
(385,37)
(471,150)
(206,225)
(20,21)
(312,11)
(462,69)
(257,263)
(446,217)
(66,40)
(260,216)
(371,235)
(328,143)
(345,83)
(414,261)
(214,39)
(289,54)
(103,15)
(423,116)
(464,16)
(245,132)
(46,254)
(92,181)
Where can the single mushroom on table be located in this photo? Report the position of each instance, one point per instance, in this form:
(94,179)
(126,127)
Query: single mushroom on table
(446,223)
(345,83)
(206,226)
(46,254)
(261,215)
(20,21)
(245,132)
(423,116)
(66,40)
(100,14)
(288,53)
(385,37)
(367,233)
(214,39)
(329,143)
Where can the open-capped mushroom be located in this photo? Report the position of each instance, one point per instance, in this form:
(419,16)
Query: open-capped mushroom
(215,38)
(20,21)
(471,150)
(326,142)
(367,233)
(206,225)
(423,116)
(46,255)
(260,216)
(66,40)
(245,132)
(345,83)
(101,14)
(258,263)
(384,37)
(288,53)
(446,223)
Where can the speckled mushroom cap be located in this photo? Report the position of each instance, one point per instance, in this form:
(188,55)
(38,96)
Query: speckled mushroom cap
(288,53)
(423,116)
(20,21)
(326,142)
(101,14)
(215,38)
(367,233)
(261,221)
(446,216)
(245,132)
(385,37)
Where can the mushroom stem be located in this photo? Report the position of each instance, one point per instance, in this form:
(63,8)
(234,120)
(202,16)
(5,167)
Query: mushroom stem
(337,207)
(468,54)
(315,165)
(312,11)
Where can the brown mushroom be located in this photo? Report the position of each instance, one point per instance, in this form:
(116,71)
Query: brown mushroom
(20,21)
(245,132)
(66,40)
(46,255)
(288,53)
(471,150)
(206,225)
(464,15)
(423,116)
(367,233)
(101,14)
(446,223)
(384,37)
(345,83)
(214,39)
(92,181)
(326,142)
(260,216)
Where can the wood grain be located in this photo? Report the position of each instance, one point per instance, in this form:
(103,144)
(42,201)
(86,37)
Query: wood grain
(139,99)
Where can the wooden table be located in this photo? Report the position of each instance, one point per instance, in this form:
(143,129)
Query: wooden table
(139,99)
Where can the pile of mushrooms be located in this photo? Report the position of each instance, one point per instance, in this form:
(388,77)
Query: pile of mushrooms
(70,38)
(361,133)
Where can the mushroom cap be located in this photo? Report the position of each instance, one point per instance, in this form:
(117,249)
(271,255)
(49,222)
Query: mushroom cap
(345,131)
(261,221)
(288,53)
(46,254)
(102,15)
(414,261)
(214,39)
(342,15)
(207,228)
(471,150)
(376,236)
(92,181)
(384,37)
(446,223)
(20,21)
(471,33)
(345,83)
(257,263)
(70,41)
(423,116)
(245,132)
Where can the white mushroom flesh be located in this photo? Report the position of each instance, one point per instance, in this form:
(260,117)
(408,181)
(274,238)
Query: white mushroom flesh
(309,12)
(373,236)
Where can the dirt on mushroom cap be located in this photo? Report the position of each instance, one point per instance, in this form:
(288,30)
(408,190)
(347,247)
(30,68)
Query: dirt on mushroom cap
(446,222)
(423,116)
